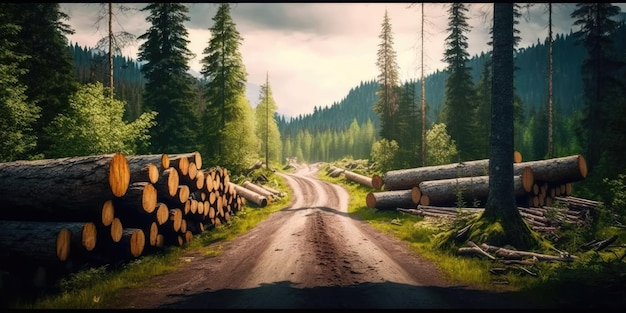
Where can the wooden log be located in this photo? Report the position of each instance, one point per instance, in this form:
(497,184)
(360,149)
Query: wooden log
(385,200)
(199,182)
(513,254)
(181,164)
(194,157)
(37,241)
(567,169)
(108,213)
(358,178)
(141,198)
(254,187)
(446,191)
(162,161)
(131,244)
(67,189)
(336,172)
(168,182)
(162,213)
(142,172)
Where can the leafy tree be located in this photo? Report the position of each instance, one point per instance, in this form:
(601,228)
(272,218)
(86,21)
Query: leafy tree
(169,89)
(223,68)
(266,127)
(600,72)
(17,115)
(50,78)
(460,98)
(501,206)
(241,138)
(441,148)
(387,104)
(384,154)
(94,125)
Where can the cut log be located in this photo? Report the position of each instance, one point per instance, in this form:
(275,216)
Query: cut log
(250,195)
(336,172)
(358,178)
(567,169)
(131,245)
(254,187)
(446,191)
(141,197)
(162,213)
(194,157)
(37,241)
(390,200)
(108,213)
(168,182)
(162,161)
(67,189)
(142,172)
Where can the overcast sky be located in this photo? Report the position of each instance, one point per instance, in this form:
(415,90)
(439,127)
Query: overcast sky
(314,53)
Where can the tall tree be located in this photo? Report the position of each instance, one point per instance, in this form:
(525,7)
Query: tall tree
(600,71)
(386,105)
(169,88)
(501,207)
(223,68)
(50,78)
(17,115)
(460,100)
(266,127)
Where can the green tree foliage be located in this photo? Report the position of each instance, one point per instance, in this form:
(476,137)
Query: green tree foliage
(242,141)
(409,121)
(441,148)
(17,115)
(460,100)
(602,87)
(387,104)
(94,125)
(266,127)
(384,154)
(50,78)
(482,122)
(223,68)
(169,89)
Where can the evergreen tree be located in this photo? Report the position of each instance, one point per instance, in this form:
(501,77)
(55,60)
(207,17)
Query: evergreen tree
(408,120)
(266,127)
(241,138)
(223,68)
(460,93)
(169,89)
(386,105)
(483,110)
(50,78)
(17,115)
(600,71)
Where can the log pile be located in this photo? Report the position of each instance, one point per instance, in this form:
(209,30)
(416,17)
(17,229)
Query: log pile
(542,188)
(108,208)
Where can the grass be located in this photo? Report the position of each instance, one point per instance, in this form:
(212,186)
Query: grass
(92,288)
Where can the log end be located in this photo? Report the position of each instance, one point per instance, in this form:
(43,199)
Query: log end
(162,213)
(198,159)
(89,235)
(176,216)
(165,161)
(377,182)
(517,157)
(582,166)
(149,198)
(183,193)
(416,195)
(528,179)
(424,200)
(137,242)
(370,200)
(108,213)
(153,232)
(172,182)
(153,173)
(116,230)
(119,174)
(63,243)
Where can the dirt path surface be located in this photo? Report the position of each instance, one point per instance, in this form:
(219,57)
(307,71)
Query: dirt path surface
(311,254)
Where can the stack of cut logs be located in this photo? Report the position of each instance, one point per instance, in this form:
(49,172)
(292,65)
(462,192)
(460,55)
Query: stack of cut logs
(439,190)
(110,207)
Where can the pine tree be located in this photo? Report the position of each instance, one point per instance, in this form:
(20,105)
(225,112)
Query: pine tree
(600,71)
(386,105)
(17,115)
(226,76)
(50,78)
(169,89)
(460,97)
(266,127)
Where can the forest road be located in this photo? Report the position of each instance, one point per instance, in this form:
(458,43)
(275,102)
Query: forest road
(311,254)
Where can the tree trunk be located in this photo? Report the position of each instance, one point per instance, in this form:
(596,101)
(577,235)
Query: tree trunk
(251,186)
(385,200)
(567,169)
(141,197)
(144,173)
(67,189)
(168,183)
(250,195)
(447,191)
(358,178)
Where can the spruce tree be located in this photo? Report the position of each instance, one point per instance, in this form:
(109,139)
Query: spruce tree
(386,105)
(169,89)
(50,78)
(226,76)
(266,127)
(460,95)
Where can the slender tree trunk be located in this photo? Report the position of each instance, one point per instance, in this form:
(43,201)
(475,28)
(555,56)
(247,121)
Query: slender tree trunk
(423,97)
(550,112)
(501,206)
(111,49)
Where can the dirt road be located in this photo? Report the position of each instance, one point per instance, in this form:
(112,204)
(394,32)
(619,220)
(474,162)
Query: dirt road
(311,254)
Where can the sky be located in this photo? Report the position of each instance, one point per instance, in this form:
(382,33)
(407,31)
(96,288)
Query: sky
(314,53)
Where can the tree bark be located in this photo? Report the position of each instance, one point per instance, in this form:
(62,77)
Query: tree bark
(567,169)
(168,183)
(358,178)
(162,161)
(141,197)
(67,189)
(38,241)
(385,200)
